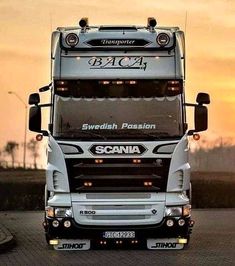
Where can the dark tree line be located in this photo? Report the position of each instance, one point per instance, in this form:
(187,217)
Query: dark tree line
(214,156)
(11,148)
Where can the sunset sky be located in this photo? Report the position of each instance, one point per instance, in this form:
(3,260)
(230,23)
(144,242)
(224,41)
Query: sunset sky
(26,26)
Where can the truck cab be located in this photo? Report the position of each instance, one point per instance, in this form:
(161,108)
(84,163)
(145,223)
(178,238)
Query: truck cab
(118,171)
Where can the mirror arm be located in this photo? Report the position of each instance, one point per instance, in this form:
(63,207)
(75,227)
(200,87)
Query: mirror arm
(190,104)
(45,88)
(191,132)
(45,105)
(44,133)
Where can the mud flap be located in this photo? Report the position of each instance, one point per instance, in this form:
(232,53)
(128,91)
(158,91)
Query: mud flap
(164,243)
(73,244)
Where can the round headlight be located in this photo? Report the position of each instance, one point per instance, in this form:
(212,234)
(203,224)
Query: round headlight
(72,39)
(163,39)
(170,223)
(181,222)
(67,224)
(55,223)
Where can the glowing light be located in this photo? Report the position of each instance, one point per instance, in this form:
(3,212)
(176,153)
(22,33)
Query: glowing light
(196,136)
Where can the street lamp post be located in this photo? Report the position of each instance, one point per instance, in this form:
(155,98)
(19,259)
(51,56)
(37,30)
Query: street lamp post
(25,128)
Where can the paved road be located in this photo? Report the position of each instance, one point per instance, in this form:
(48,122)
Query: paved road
(212,243)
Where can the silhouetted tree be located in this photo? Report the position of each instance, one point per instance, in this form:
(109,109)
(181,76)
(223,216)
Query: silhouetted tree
(33,147)
(10,149)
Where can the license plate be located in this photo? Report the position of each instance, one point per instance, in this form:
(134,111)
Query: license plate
(119,234)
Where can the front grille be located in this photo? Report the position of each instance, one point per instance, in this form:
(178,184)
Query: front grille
(117,175)
(122,212)
(119,217)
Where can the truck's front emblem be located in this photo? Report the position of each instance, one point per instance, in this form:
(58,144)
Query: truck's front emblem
(117,149)
(154,211)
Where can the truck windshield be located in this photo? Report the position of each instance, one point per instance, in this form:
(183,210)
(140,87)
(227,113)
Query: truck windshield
(117,109)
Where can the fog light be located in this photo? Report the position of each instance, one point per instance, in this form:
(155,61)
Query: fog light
(181,222)
(54,242)
(182,240)
(170,223)
(67,224)
(55,223)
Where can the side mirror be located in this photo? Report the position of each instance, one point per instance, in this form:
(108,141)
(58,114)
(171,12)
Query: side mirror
(34,98)
(203,98)
(200,118)
(35,119)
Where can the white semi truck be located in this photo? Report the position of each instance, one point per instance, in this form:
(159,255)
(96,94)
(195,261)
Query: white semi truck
(117,171)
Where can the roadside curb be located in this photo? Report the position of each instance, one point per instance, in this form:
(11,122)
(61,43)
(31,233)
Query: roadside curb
(7,240)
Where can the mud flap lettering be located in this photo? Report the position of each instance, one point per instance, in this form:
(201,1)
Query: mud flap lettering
(167,243)
(73,244)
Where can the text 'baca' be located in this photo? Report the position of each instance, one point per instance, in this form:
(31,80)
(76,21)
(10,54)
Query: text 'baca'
(113,62)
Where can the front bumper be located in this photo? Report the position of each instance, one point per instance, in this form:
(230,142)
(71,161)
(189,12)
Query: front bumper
(96,233)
